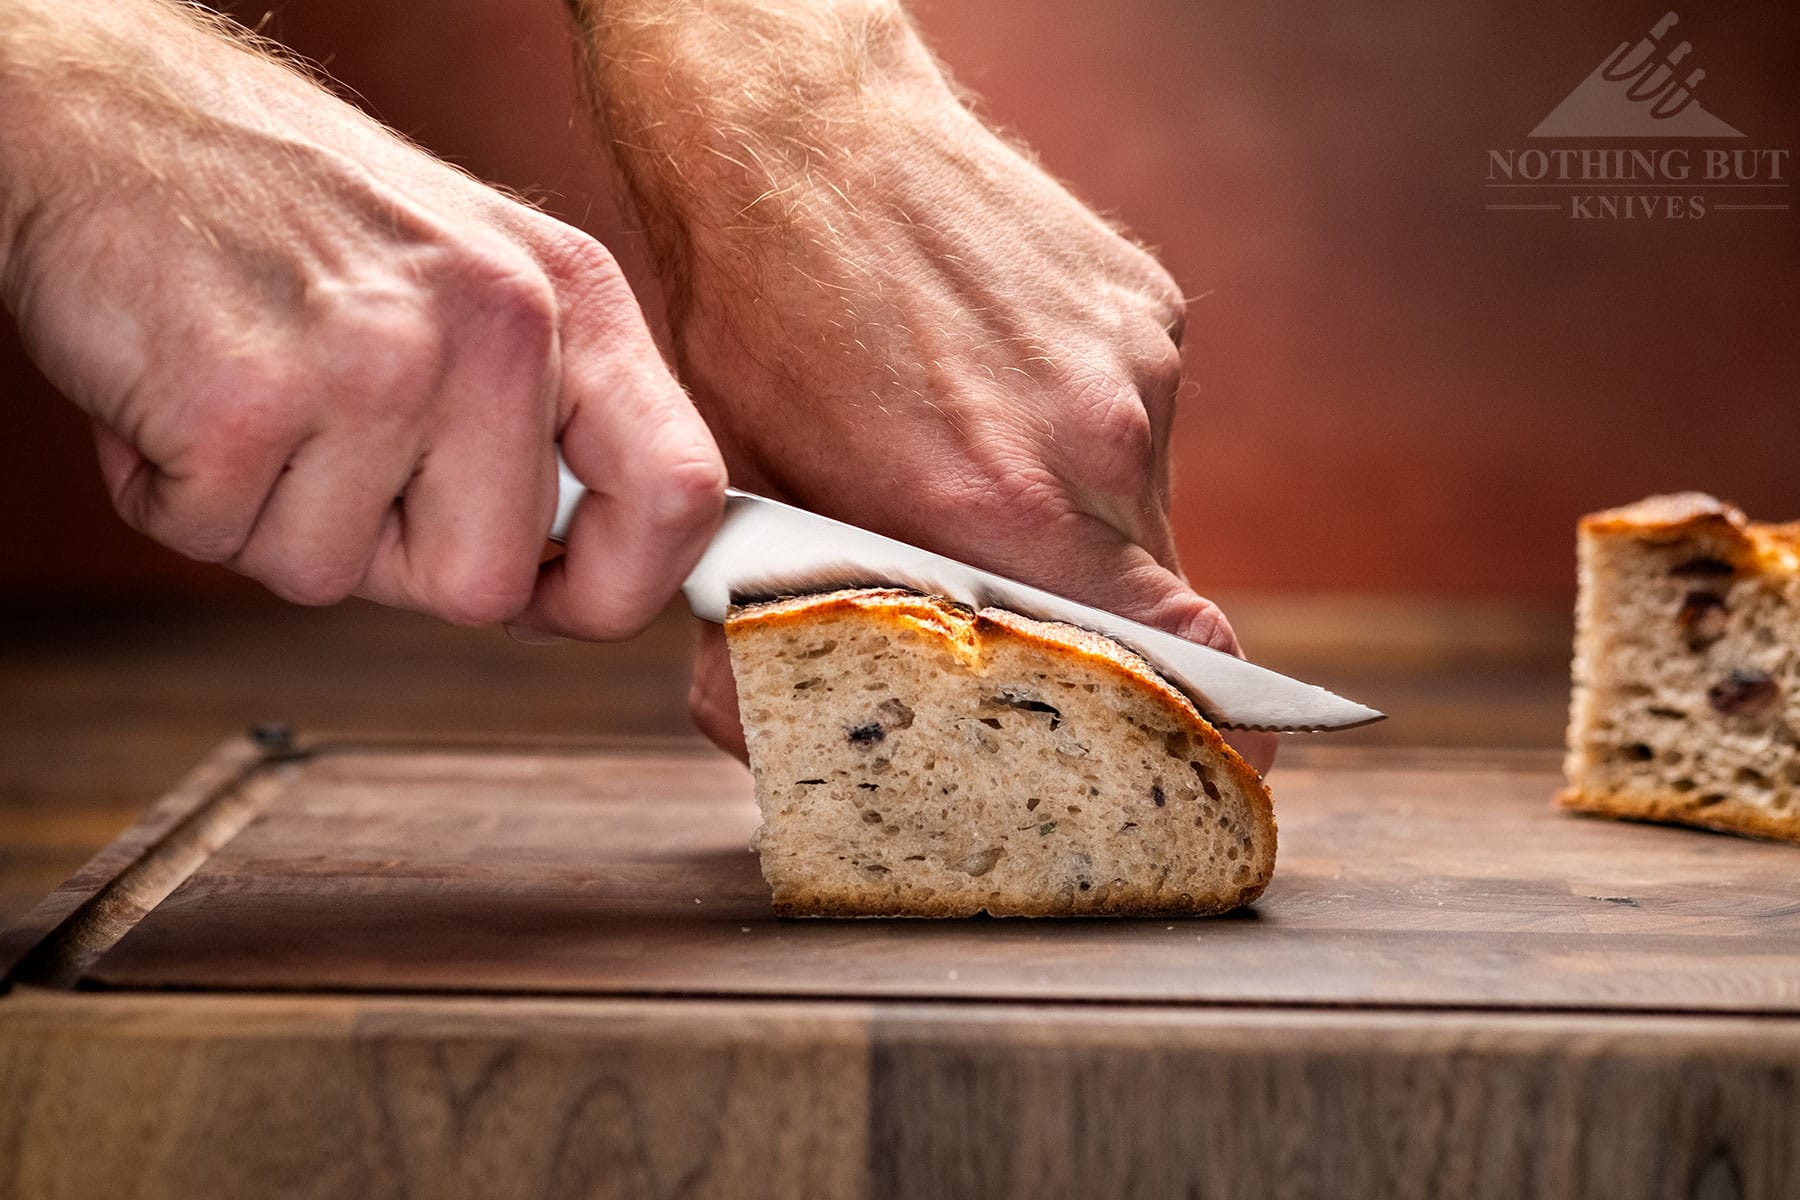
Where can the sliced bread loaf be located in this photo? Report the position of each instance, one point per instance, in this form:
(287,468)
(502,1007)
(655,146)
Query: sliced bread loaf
(1686,701)
(915,758)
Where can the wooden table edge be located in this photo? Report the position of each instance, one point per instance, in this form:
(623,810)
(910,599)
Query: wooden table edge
(31,1010)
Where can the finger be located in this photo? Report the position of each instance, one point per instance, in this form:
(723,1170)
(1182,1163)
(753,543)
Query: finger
(119,459)
(655,497)
(1165,394)
(656,484)
(205,504)
(464,542)
(318,531)
(712,699)
(1256,748)
(477,505)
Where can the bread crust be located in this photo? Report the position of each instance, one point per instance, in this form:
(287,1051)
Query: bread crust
(1750,545)
(815,902)
(968,628)
(970,634)
(1674,514)
(1681,808)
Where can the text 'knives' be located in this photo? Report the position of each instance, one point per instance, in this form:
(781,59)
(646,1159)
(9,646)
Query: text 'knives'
(766,548)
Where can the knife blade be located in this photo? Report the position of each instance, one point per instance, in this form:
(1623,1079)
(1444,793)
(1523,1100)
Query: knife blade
(765,548)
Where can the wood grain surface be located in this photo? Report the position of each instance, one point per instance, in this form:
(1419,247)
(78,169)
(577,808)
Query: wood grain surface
(1452,990)
(376,1098)
(1435,881)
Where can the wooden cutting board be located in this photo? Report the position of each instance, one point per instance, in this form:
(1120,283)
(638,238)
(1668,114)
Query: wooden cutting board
(392,970)
(1421,882)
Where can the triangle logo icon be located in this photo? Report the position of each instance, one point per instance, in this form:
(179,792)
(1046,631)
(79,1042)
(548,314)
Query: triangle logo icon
(1640,90)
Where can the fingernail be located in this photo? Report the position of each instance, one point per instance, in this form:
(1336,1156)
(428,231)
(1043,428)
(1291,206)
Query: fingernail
(527,636)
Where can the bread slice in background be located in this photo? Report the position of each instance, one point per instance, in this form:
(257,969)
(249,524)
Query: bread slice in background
(915,758)
(1686,703)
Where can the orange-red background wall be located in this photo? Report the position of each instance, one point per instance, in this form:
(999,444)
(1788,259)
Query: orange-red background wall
(1399,389)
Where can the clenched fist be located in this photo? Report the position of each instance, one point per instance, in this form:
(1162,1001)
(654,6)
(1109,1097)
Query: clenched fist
(316,354)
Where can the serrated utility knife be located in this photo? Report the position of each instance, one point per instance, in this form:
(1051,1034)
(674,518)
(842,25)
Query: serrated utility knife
(766,548)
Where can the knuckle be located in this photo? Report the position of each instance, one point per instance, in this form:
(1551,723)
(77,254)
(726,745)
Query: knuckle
(1025,495)
(312,584)
(521,300)
(246,406)
(207,541)
(1169,306)
(188,530)
(1164,304)
(1159,372)
(581,256)
(1164,600)
(1120,441)
(482,594)
(626,618)
(588,278)
(204,500)
(1174,323)
(639,595)
(689,492)
(506,294)
(137,509)
(1200,620)
(616,615)
(1183,611)
(1167,303)
(378,356)
(477,610)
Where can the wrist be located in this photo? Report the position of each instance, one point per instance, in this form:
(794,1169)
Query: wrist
(111,101)
(720,105)
(723,54)
(32,40)
(76,82)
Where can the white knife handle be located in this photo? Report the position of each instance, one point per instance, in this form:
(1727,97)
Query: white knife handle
(569,491)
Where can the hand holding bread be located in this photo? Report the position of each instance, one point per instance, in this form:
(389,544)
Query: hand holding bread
(900,320)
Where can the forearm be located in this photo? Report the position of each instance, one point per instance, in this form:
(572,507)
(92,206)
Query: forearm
(100,98)
(83,87)
(727,115)
(45,50)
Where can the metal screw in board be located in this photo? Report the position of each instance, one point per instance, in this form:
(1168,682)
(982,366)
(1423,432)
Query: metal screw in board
(273,737)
